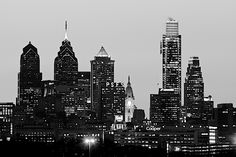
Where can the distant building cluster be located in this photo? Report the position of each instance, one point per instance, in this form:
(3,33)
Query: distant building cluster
(79,104)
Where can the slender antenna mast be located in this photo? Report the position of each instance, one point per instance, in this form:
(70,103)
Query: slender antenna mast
(66,37)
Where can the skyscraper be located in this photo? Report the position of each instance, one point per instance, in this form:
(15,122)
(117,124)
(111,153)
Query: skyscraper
(29,80)
(102,72)
(129,102)
(66,64)
(165,106)
(171,57)
(194,89)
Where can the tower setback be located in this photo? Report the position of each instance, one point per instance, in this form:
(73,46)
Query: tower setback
(66,64)
(171,57)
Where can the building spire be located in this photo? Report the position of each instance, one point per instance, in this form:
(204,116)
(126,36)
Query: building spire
(129,81)
(66,37)
(129,91)
(102,53)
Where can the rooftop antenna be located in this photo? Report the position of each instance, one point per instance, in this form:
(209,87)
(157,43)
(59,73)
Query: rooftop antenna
(66,37)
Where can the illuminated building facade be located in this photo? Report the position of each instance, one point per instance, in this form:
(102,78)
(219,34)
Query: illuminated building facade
(194,89)
(84,84)
(102,72)
(6,121)
(207,110)
(169,138)
(165,108)
(129,102)
(112,101)
(73,99)
(66,64)
(37,134)
(171,57)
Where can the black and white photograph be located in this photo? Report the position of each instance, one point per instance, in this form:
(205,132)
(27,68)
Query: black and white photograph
(118,78)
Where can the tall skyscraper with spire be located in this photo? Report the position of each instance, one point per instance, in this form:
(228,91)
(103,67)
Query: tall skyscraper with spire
(129,102)
(171,56)
(102,73)
(193,88)
(66,64)
(29,80)
(165,106)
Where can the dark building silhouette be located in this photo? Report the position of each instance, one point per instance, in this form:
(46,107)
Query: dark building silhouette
(84,83)
(29,81)
(50,103)
(6,120)
(207,113)
(72,98)
(112,102)
(171,57)
(165,108)
(194,89)
(66,64)
(225,116)
(129,102)
(102,72)
(138,116)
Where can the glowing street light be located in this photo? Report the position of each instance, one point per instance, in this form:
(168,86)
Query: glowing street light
(89,141)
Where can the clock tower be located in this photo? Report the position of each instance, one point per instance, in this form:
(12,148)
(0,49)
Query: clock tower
(129,102)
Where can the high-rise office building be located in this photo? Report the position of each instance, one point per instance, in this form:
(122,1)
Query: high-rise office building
(66,64)
(194,89)
(6,121)
(171,57)
(129,102)
(84,83)
(29,81)
(165,108)
(119,99)
(112,102)
(102,72)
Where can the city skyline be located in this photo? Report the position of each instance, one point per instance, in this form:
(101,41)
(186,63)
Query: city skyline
(47,38)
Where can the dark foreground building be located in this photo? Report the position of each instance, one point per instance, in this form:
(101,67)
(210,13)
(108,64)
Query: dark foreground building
(6,120)
(165,108)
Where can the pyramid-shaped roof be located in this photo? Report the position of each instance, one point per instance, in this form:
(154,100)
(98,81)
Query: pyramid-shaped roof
(28,47)
(102,53)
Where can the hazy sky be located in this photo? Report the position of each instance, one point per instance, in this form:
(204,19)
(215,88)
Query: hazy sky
(130,31)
